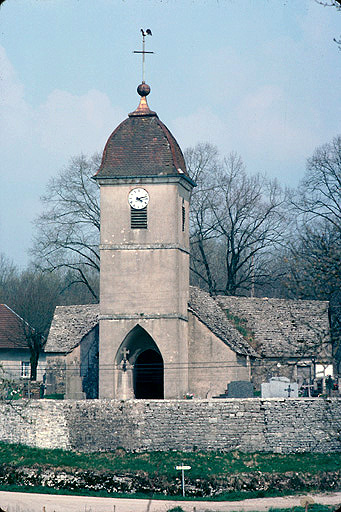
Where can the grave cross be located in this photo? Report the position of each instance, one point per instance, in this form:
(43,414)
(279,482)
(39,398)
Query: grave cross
(308,387)
(289,389)
(148,32)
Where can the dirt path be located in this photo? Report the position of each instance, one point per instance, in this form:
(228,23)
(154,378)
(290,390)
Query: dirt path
(23,502)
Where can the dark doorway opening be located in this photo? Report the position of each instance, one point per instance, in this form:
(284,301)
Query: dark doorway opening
(148,375)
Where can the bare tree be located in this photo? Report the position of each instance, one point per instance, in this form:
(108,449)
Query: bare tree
(314,262)
(67,232)
(202,164)
(7,271)
(32,295)
(330,3)
(315,256)
(319,194)
(236,221)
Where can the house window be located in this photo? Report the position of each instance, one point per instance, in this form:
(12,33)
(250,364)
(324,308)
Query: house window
(138,218)
(25,369)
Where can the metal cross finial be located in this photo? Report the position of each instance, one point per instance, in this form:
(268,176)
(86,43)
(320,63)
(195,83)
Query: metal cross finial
(148,32)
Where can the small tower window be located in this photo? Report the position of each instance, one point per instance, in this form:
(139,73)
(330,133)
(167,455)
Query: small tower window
(138,218)
(183,212)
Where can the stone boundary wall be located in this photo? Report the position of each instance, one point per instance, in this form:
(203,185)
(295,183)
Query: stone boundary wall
(268,425)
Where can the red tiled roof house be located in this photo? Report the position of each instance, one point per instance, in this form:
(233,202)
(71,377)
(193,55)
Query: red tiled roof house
(14,351)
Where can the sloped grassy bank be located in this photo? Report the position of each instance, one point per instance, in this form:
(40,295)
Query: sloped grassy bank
(217,475)
(239,485)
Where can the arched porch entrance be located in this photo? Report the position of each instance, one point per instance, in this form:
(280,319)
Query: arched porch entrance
(148,375)
(140,369)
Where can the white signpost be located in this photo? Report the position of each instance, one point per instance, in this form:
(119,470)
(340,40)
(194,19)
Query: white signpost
(183,468)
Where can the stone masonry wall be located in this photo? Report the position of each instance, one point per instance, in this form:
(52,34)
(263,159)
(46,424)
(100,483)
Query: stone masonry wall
(268,425)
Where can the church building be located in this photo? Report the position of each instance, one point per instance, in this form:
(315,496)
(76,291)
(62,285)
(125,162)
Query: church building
(152,335)
(155,339)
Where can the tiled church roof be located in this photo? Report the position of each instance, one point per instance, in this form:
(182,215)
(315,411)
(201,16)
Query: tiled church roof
(141,146)
(69,325)
(207,309)
(282,328)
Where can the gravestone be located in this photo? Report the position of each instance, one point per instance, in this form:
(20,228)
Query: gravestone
(73,382)
(240,389)
(279,387)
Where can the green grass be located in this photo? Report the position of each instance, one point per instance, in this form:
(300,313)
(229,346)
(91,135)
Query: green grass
(207,464)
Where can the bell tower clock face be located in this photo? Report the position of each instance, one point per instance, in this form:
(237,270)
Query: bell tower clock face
(138,198)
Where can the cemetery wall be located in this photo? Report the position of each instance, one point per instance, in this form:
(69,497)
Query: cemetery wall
(268,425)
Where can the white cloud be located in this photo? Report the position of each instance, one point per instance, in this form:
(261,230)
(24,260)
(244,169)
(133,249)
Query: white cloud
(64,125)
(36,142)
(271,134)
(73,124)
(201,125)
(271,123)
(12,91)
(16,114)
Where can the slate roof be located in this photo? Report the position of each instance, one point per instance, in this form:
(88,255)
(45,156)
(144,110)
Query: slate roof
(71,323)
(208,310)
(282,328)
(12,334)
(141,146)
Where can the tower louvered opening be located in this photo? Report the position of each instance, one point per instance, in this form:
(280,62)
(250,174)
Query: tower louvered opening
(138,218)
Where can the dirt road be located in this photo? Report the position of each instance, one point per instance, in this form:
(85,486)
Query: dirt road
(23,502)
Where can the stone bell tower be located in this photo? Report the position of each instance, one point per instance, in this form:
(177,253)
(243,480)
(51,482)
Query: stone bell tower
(144,248)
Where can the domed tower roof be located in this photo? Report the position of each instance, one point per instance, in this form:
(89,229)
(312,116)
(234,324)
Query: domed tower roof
(141,146)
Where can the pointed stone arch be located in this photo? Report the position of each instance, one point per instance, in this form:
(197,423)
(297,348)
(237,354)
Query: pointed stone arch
(140,366)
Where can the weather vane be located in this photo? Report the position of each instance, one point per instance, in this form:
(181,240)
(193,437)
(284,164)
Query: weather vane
(148,32)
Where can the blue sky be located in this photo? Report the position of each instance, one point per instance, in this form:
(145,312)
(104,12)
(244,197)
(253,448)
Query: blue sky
(260,77)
